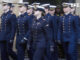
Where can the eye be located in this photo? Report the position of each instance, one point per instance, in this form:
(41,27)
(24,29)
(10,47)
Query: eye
(4,4)
(20,6)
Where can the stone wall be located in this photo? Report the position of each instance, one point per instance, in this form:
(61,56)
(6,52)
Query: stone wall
(15,9)
(78,8)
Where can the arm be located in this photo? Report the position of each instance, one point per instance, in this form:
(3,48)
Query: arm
(55,28)
(48,34)
(13,26)
(26,38)
(77,27)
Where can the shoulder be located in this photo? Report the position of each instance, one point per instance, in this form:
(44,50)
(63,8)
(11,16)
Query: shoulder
(45,22)
(13,16)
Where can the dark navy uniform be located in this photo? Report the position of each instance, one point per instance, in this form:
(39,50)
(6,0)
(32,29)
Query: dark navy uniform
(10,51)
(47,17)
(53,21)
(8,28)
(22,28)
(31,16)
(38,37)
(29,49)
(68,33)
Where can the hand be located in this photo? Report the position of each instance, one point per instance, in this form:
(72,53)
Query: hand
(23,41)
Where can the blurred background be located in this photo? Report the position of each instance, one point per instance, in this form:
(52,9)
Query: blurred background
(53,2)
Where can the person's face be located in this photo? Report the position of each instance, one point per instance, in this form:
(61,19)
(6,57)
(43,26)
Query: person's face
(52,12)
(46,10)
(5,7)
(66,9)
(36,13)
(72,10)
(22,8)
(12,8)
(30,11)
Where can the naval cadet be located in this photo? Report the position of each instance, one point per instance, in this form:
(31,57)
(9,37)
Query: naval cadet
(53,21)
(47,17)
(22,28)
(38,36)
(47,7)
(30,11)
(10,51)
(8,29)
(68,32)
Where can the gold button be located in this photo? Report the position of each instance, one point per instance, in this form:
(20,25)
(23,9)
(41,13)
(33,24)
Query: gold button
(69,22)
(63,21)
(63,31)
(63,26)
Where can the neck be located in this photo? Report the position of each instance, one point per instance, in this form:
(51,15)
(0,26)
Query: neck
(29,14)
(67,13)
(6,11)
(52,14)
(47,12)
(39,16)
(23,12)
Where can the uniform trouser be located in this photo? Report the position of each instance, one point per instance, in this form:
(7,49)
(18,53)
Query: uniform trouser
(30,54)
(20,52)
(10,51)
(52,55)
(3,50)
(70,50)
(39,53)
(48,53)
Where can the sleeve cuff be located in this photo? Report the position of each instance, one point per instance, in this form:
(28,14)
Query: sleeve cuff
(25,38)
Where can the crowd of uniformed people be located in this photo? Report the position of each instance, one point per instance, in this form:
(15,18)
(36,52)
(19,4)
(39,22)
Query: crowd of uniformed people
(38,31)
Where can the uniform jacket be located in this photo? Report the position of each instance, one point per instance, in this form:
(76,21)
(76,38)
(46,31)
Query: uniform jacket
(38,32)
(22,27)
(8,26)
(69,29)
